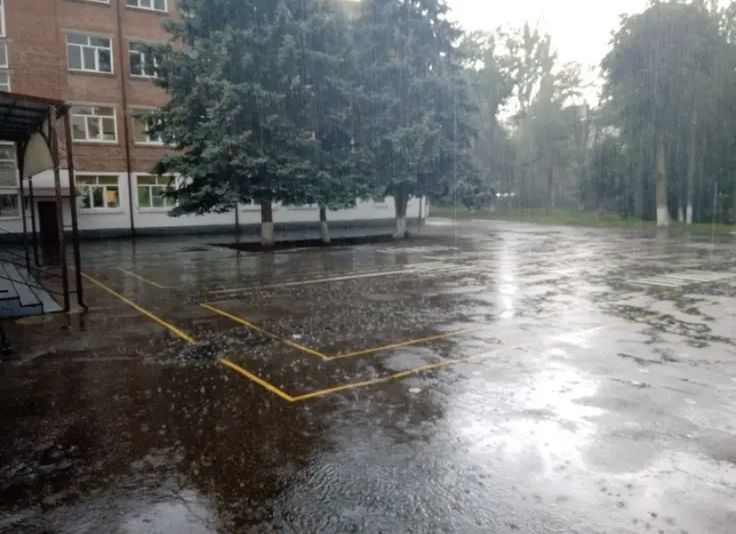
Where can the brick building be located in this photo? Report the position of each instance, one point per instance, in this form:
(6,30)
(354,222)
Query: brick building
(87,53)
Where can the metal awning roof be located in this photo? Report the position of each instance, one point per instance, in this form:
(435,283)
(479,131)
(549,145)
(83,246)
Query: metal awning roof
(23,115)
(46,192)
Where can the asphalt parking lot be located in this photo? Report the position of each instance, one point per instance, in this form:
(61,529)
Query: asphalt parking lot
(482,377)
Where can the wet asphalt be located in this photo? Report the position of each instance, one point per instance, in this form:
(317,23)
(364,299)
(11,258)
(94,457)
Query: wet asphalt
(536,379)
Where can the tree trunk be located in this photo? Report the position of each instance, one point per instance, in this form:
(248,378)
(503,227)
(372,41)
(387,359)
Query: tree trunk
(401,200)
(266,224)
(663,216)
(324,228)
(692,158)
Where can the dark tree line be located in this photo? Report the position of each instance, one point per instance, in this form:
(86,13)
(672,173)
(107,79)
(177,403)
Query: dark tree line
(660,143)
(291,101)
(296,102)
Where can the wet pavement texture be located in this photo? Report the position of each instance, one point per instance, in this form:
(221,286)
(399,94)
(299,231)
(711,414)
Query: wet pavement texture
(483,377)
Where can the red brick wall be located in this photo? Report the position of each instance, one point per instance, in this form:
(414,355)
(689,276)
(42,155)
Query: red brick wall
(38,66)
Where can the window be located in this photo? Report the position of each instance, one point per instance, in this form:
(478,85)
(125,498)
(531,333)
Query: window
(94,123)
(141,63)
(8,174)
(9,205)
(141,124)
(99,192)
(89,53)
(151,191)
(4,74)
(153,5)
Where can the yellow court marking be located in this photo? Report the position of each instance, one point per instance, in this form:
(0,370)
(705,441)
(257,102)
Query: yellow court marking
(258,380)
(401,344)
(401,375)
(322,355)
(270,387)
(141,310)
(139,277)
(257,328)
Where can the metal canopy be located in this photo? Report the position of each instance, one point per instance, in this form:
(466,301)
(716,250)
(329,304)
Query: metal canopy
(22,115)
(31,123)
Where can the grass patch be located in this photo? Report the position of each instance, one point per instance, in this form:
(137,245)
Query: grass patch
(572,218)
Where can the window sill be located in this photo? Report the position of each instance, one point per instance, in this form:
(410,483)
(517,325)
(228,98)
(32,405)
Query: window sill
(9,217)
(142,77)
(93,2)
(96,143)
(155,210)
(91,73)
(147,10)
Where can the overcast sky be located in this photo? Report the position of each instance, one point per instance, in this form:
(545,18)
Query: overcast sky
(581,29)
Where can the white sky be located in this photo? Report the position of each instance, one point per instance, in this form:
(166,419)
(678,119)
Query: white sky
(580,29)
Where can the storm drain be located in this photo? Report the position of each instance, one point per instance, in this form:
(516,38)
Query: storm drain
(685,278)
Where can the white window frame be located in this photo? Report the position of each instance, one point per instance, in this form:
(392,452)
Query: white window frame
(2,18)
(169,203)
(142,55)
(4,60)
(96,48)
(82,185)
(13,165)
(135,113)
(100,118)
(152,8)
(6,73)
(11,193)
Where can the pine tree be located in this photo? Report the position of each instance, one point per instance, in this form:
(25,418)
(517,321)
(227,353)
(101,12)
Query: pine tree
(412,121)
(234,111)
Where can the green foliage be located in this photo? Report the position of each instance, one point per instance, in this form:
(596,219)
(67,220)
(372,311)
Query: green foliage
(669,76)
(288,101)
(414,114)
(259,107)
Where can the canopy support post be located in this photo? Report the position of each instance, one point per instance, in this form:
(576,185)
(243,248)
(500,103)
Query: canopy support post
(73,209)
(54,149)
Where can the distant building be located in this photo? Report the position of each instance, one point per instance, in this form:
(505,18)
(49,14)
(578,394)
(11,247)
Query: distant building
(87,53)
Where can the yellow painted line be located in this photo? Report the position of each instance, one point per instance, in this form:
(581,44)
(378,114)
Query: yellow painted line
(139,277)
(399,376)
(257,328)
(258,380)
(141,310)
(401,344)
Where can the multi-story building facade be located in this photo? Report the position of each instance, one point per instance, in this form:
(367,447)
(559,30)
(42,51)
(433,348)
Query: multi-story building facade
(88,53)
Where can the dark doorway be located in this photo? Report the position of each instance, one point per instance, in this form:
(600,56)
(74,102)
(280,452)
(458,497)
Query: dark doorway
(47,227)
